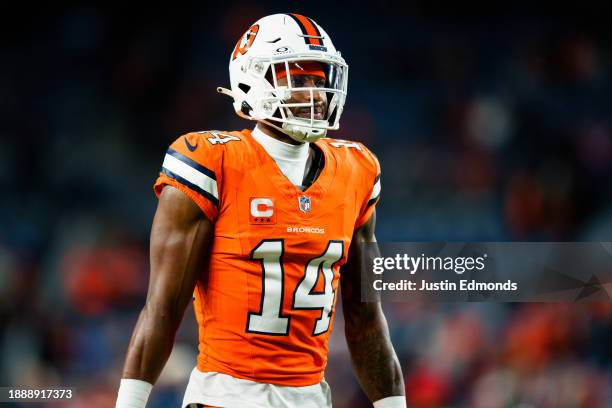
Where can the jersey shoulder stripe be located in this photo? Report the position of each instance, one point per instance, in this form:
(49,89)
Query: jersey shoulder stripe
(192,174)
(211,174)
(375,191)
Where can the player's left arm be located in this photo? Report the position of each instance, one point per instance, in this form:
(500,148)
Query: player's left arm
(367,334)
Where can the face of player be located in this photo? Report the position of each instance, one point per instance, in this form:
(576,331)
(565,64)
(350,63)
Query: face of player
(320,99)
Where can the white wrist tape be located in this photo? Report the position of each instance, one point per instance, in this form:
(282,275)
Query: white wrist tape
(133,393)
(391,402)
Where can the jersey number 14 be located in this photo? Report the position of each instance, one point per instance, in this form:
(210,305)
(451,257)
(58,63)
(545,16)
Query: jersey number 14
(270,319)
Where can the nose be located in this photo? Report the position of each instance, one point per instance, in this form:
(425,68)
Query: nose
(311,83)
(318,98)
(316,94)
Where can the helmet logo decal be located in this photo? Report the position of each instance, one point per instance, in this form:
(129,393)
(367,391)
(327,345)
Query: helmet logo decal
(245,42)
(310,31)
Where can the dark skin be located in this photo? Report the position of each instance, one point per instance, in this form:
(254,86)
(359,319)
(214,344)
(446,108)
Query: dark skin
(365,327)
(181,236)
(180,240)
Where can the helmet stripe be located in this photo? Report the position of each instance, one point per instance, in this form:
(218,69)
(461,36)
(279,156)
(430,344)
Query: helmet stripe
(309,28)
(314,25)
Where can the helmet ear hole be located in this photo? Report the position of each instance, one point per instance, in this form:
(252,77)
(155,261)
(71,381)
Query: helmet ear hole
(244,87)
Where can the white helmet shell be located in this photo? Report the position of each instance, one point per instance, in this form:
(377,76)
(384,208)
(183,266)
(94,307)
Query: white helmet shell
(268,48)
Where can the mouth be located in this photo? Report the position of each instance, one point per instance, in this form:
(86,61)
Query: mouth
(319,113)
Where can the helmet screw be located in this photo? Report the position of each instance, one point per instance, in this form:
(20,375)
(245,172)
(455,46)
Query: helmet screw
(243,68)
(258,67)
(267,106)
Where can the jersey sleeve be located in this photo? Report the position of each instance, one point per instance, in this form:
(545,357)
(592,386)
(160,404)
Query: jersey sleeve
(193,166)
(371,188)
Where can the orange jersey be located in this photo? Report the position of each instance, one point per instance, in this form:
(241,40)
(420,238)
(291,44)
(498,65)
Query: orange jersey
(266,302)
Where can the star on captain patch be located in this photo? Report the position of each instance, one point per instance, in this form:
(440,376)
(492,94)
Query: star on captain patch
(304,203)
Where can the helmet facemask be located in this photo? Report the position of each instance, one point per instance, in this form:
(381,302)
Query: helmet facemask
(296,91)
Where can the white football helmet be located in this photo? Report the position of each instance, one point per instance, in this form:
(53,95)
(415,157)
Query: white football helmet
(268,51)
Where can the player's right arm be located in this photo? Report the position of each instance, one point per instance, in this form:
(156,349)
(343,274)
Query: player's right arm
(180,240)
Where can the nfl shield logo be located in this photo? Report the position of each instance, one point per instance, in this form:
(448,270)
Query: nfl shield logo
(304,203)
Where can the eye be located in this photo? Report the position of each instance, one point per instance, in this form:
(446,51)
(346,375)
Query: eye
(320,83)
(298,81)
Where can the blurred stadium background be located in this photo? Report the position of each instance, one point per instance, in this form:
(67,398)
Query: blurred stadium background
(490,129)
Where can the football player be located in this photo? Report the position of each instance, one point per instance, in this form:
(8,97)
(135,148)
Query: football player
(261,227)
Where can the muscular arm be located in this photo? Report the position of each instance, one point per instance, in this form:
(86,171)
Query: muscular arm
(180,239)
(367,335)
